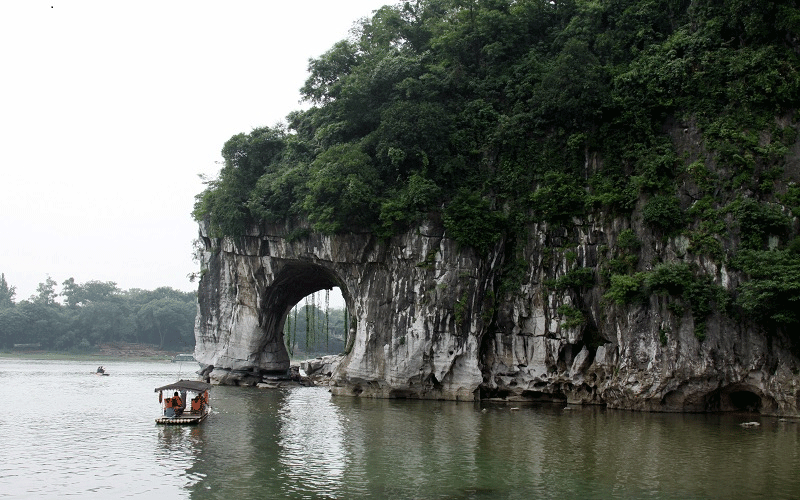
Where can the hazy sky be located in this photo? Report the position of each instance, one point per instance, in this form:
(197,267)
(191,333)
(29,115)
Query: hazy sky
(110,109)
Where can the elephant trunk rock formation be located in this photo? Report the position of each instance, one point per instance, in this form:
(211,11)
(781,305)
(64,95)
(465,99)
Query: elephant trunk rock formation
(431,320)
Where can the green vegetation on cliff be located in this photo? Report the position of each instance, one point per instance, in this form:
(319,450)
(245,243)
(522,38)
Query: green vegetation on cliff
(681,114)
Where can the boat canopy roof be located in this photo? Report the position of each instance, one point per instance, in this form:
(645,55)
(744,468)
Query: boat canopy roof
(187,385)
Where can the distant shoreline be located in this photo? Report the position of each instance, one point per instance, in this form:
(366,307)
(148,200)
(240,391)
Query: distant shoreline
(114,351)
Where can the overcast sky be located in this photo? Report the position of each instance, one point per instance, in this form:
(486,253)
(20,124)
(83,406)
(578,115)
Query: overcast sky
(110,109)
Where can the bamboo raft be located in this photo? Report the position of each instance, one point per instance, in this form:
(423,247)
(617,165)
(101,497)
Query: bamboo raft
(185,419)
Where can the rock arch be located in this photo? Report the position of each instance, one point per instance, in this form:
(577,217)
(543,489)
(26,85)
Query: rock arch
(432,320)
(414,307)
(246,296)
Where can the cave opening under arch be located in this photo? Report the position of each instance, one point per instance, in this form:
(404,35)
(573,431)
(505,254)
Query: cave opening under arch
(294,282)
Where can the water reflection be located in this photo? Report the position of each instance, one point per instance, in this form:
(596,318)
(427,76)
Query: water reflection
(306,444)
(238,450)
(178,449)
(408,448)
(312,448)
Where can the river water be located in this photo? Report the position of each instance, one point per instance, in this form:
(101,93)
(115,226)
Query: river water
(65,432)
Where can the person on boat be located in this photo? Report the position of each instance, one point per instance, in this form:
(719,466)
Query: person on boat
(100,370)
(177,403)
(169,411)
(197,404)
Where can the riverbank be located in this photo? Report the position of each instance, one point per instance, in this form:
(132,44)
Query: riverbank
(111,351)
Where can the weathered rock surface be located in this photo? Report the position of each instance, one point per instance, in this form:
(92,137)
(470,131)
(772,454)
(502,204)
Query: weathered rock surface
(430,320)
(319,370)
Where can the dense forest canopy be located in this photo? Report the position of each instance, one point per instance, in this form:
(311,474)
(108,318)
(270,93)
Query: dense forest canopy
(498,113)
(83,315)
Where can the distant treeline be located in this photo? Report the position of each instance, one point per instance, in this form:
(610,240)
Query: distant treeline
(83,315)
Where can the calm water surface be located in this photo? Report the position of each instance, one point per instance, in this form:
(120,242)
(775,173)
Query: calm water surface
(65,432)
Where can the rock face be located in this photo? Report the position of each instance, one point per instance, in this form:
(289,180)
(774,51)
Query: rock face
(434,321)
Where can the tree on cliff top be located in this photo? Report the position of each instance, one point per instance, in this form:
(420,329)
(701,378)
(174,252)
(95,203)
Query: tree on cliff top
(496,96)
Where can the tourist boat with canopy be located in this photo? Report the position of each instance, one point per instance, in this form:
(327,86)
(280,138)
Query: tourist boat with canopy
(176,409)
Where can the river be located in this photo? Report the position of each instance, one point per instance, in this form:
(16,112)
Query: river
(65,432)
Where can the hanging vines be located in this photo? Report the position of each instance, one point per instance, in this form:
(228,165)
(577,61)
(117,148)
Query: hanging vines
(294,330)
(308,323)
(290,332)
(317,323)
(314,318)
(287,332)
(348,342)
(327,319)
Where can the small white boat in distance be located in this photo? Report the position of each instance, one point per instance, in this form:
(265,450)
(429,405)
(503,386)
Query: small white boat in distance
(183,357)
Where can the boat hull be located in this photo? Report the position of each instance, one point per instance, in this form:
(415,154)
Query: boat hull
(188,419)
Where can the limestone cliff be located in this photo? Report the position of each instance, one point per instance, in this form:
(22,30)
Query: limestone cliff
(432,320)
